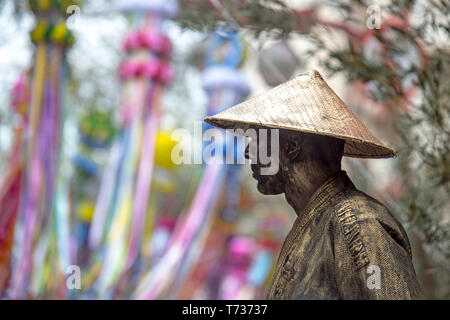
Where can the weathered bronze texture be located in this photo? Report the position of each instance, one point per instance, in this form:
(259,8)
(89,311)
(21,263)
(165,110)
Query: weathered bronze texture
(339,234)
(343,244)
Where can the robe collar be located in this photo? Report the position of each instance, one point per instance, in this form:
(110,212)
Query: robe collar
(322,198)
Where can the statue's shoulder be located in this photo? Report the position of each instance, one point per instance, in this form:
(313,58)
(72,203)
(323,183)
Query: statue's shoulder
(364,221)
(364,207)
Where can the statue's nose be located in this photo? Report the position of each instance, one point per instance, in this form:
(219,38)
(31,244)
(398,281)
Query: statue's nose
(247,152)
(250,153)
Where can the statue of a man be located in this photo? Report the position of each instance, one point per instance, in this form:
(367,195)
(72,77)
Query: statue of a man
(344,244)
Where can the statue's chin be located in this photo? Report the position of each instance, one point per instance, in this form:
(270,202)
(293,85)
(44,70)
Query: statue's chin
(266,189)
(261,188)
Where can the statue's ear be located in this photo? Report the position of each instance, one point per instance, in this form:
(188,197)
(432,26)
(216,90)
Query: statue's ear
(293,143)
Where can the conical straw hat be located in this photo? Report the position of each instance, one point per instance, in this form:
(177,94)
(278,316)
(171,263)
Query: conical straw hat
(307,104)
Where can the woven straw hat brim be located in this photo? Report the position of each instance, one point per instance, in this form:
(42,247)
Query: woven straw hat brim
(305,104)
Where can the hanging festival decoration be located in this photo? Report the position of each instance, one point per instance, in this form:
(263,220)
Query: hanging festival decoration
(125,239)
(123,202)
(225,86)
(96,132)
(10,189)
(40,211)
(240,255)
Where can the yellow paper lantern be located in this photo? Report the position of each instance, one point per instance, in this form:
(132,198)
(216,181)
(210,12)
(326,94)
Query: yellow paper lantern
(86,211)
(163,150)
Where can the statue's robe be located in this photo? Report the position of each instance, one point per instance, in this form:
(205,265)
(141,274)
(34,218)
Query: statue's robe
(345,245)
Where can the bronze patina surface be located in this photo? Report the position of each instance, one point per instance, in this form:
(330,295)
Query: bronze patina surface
(344,244)
(339,234)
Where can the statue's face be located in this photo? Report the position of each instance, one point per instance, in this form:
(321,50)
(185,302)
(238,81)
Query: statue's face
(267,184)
